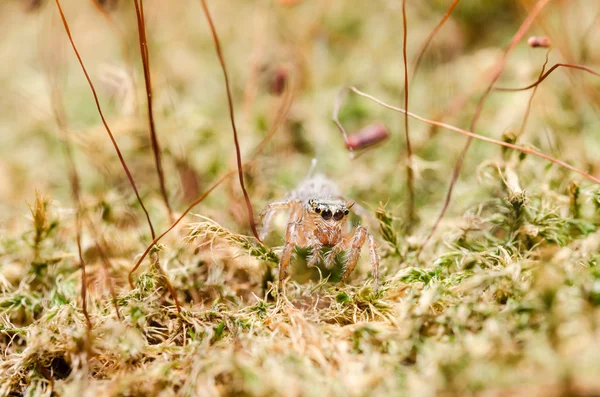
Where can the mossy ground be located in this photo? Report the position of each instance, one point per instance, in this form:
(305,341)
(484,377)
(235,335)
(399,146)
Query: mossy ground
(504,300)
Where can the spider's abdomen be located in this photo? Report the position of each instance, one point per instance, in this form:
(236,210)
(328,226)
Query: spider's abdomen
(317,186)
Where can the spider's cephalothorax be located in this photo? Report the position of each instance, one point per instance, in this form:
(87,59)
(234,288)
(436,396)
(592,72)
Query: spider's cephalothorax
(318,219)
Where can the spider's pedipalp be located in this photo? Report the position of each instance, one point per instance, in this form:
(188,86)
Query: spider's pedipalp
(315,255)
(329,262)
(294,235)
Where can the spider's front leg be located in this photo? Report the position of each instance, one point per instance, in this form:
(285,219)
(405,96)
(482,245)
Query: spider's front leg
(356,242)
(265,217)
(294,235)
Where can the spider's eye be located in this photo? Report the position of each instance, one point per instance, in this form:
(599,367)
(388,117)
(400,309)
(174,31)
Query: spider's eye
(318,210)
(338,215)
(326,214)
(346,212)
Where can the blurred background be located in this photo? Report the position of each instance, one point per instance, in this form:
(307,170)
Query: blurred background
(315,47)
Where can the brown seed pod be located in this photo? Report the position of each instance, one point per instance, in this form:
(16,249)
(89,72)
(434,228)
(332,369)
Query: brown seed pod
(368,136)
(539,42)
(31,5)
(278,80)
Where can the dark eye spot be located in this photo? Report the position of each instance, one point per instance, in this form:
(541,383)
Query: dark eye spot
(326,214)
(318,210)
(338,215)
(346,212)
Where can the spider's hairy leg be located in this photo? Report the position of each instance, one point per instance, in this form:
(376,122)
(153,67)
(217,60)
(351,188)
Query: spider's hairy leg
(294,235)
(265,217)
(374,259)
(356,242)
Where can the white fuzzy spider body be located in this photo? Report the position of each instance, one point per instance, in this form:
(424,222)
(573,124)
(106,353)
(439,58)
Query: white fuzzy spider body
(319,218)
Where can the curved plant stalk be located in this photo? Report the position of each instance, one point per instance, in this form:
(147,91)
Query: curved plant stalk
(282,112)
(545,75)
(410,178)
(530,101)
(472,135)
(141,25)
(496,75)
(238,154)
(110,134)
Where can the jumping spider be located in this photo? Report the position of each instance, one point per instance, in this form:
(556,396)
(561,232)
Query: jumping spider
(318,218)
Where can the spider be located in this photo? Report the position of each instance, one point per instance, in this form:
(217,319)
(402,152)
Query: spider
(318,218)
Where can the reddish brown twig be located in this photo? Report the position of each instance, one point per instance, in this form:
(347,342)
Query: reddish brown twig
(430,37)
(155,149)
(232,118)
(410,201)
(528,110)
(498,70)
(187,210)
(139,11)
(279,119)
(121,159)
(472,135)
(545,75)
(562,43)
(110,134)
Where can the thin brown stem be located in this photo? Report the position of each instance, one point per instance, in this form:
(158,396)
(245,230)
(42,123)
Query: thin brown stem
(545,75)
(335,116)
(497,72)
(187,210)
(562,44)
(472,135)
(279,119)
(110,134)
(238,154)
(139,11)
(530,101)
(122,160)
(410,201)
(141,20)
